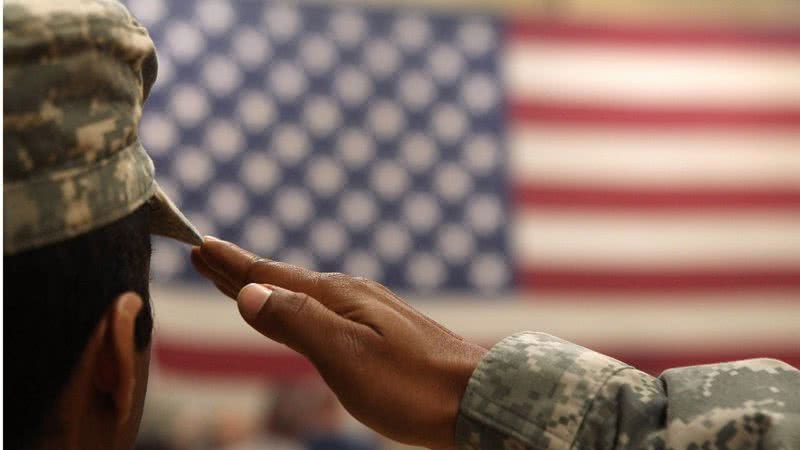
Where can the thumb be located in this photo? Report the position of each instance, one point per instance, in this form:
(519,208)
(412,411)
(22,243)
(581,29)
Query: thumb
(291,318)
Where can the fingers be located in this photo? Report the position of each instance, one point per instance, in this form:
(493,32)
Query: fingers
(230,268)
(219,280)
(204,269)
(296,320)
(226,259)
(230,265)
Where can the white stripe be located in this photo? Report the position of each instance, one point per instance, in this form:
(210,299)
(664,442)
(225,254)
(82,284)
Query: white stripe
(639,76)
(200,398)
(661,240)
(719,320)
(635,158)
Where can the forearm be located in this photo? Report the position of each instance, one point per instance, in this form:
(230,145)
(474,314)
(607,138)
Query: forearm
(540,392)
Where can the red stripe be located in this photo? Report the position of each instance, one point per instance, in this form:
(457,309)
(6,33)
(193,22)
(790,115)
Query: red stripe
(544,111)
(214,361)
(630,34)
(230,362)
(542,279)
(531,195)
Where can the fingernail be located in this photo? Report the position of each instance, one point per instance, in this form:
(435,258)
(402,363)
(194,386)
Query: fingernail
(210,238)
(251,299)
(131,302)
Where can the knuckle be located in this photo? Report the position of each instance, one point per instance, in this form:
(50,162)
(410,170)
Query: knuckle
(334,280)
(375,285)
(337,276)
(300,303)
(353,342)
(361,281)
(370,287)
(316,282)
(253,266)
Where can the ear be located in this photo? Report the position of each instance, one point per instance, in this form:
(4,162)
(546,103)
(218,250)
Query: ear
(115,371)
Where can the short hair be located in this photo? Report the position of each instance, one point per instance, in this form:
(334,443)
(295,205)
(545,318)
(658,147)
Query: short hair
(54,297)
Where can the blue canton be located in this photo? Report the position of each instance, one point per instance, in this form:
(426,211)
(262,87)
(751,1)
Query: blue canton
(366,141)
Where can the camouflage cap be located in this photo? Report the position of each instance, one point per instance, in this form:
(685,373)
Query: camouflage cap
(77,73)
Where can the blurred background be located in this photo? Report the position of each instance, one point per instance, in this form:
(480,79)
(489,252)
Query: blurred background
(624,174)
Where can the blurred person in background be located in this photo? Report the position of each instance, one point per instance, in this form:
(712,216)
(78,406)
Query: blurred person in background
(300,415)
(230,429)
(80,203)
(309,413)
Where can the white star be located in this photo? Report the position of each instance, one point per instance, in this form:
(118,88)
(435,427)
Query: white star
(421,212)
(318,54)
(189,104)
(282,21)
(392,241)
(451,182)
(183,41)
(259,172)
(355,147)
(215,16)
(250,47)
(386,119)
(224,139)
(328,238)
(449,123)
(193,167)
(290,143)
(348,28)
(255,110)
(293,206)
(221,75)
(263,235)
(425,271)
(445,62)
(357,209)
(418,151)
(381,57)
(227,202)
(412,32)
(158,133)
(287,81)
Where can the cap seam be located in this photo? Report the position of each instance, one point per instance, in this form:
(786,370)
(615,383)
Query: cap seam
(71,172)
(75,163)
(45,234)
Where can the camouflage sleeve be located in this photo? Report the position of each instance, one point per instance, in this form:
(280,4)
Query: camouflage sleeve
(535,391)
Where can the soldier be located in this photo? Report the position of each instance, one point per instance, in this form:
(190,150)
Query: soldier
(80,204)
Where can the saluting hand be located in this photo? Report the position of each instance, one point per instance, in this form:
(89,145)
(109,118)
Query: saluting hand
(393,368)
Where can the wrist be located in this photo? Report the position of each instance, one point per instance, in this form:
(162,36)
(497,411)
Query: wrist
(460,367)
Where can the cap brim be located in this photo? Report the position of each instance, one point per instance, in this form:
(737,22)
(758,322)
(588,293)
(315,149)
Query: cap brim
(167,220)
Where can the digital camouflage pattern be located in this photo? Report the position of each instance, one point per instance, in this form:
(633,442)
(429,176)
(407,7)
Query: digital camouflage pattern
(535,391)
(76,75)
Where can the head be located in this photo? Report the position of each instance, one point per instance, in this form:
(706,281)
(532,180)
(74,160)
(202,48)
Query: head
(78,327)
(79,205)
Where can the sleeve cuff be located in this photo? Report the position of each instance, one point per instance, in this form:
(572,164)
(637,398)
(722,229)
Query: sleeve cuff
(531,388)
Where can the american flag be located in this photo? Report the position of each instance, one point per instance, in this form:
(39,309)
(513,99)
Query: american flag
(635,188)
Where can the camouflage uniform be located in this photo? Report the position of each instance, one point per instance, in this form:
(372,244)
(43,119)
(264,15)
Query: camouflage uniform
(76,75)
(535,391)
